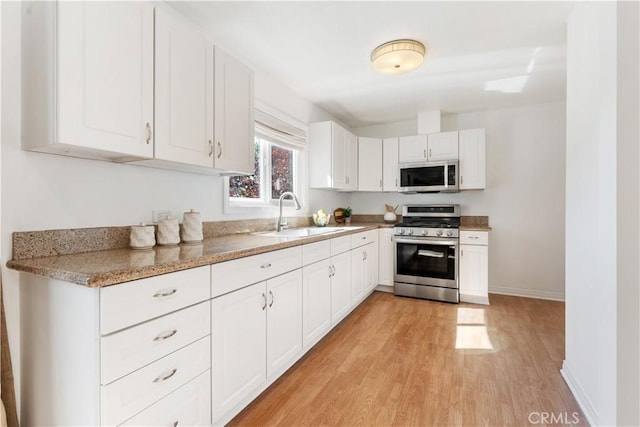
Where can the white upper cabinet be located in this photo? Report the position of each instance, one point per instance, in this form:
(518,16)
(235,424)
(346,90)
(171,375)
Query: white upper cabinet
(412,149)
(88,89)
(389,164)
(333,151)
(433,147)
(472,159)
(369,164)
(184,93)
(234,115)
(442,146)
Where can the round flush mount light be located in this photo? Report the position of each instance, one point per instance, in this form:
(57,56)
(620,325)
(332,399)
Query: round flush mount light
(398,56)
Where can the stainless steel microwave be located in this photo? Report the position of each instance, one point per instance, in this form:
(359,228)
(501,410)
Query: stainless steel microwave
(429,177)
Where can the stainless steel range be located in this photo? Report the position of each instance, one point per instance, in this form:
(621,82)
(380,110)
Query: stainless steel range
(426,252)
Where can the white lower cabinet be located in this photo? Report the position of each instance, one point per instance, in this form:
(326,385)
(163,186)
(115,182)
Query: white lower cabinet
(340,287)
(474,267)
(316,279)
(257,333)
(386,267)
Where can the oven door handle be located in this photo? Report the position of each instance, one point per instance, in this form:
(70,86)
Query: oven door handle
(426,240)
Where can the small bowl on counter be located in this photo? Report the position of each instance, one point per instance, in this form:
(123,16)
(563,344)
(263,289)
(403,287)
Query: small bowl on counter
(321,220)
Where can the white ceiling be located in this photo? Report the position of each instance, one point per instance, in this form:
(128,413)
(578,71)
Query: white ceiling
(477,51)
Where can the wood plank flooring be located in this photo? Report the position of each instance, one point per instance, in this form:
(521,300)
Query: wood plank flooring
(406,362)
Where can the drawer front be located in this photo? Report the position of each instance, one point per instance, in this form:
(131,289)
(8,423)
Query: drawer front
(314,252)
(232,275)
(134,302)
(133,348)
(364,238)
(190,405)
(340,245)
(474,238)
(135,392)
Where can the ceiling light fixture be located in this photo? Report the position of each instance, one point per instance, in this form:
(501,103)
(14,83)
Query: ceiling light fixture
(398,56)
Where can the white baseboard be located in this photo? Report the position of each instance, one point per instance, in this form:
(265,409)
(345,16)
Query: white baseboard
(527,293)
(583,401)
(474,299)
(384,288)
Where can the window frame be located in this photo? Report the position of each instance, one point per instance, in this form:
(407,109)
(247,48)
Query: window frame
(266,205)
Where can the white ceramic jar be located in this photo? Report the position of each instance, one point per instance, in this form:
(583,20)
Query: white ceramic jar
(192,227)
(142,236)
(168,232)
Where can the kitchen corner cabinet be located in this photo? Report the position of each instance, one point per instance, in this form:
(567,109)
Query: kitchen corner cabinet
(474,267)
(390,167)
(472,146)
(369,164)
(88,90)
(334,154)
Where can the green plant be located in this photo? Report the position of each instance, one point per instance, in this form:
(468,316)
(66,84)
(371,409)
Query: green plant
(346,212)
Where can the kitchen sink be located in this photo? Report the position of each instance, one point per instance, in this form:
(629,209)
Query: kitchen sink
(299,232)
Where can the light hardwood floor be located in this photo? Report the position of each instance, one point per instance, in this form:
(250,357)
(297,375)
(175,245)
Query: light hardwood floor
(408,362)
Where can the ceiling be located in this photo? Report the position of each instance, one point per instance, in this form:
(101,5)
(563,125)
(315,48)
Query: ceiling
(481,55)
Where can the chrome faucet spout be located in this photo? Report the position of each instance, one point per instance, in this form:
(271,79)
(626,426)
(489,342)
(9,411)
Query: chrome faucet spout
(282,223)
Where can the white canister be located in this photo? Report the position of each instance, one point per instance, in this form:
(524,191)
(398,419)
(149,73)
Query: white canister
(168,232)
(192,227)
(142,236)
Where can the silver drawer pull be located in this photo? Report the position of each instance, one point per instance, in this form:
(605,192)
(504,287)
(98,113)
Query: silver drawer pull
(165,336)
(161,294)
(474,237)
(266,265)
(166,377)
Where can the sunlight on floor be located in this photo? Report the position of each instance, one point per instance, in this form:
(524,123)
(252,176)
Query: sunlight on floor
(471,331)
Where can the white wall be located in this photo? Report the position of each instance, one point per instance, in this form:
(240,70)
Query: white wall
(524,198)
(603,193)
(43,191)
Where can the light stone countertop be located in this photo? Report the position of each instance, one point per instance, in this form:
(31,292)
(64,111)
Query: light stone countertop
(109,267)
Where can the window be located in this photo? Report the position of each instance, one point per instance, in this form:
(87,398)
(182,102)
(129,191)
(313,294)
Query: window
(279,161)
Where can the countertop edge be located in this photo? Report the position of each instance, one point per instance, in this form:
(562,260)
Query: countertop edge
(117,276)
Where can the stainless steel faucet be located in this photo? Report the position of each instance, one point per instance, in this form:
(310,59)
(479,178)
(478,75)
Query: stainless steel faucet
(282,223)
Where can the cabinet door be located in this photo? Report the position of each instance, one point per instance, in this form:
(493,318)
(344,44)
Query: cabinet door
(474,270)
(369,164)
(234,126)
(351,155)
(385,257)
(284,321)
(184,93)
(316,302)
(371,261)
(472,159)
(340,287)
(105,77)
(338,156)
(412,148)
(390,164)
(239,336)
(358,275)
(443,146)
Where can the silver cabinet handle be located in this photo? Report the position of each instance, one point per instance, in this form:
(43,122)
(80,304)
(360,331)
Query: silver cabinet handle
(424,153)
(165,336)
(271,295)
(461,179)
(396,182)
(333,270)
(264,301)
(219,149)
(148,127)
(166,377)
(366,255)
(168,293)
(429,152)
(266,265)
(474,237)
(210,148)
(330,271)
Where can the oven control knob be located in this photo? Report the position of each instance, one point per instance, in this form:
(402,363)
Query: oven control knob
(439,233)
(449,233)
(425,232)
(410,232)
(401,231)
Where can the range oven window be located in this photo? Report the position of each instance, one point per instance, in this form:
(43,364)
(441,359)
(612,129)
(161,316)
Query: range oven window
(423,176)
(426,260)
